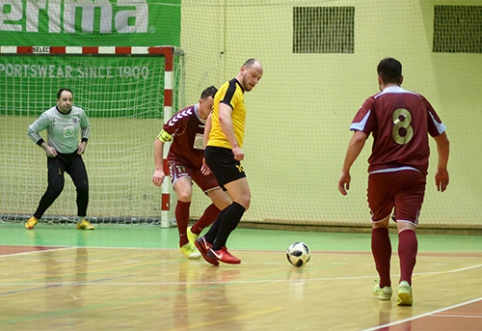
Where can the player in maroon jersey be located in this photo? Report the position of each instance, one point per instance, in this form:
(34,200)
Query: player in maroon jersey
(400,122)
(186,131)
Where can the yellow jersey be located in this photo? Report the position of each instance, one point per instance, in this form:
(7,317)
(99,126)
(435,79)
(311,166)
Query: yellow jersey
(232,94)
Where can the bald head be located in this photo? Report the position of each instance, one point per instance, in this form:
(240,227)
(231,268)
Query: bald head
(250,74)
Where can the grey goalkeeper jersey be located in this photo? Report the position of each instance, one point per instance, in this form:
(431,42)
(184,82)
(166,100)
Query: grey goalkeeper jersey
(62,129)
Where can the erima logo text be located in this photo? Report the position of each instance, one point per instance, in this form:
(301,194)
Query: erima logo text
(124,16)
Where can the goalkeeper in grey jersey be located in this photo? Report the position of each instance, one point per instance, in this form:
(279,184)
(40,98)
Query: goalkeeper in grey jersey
(64,123)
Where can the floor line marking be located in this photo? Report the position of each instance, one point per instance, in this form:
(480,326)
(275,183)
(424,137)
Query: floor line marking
(437,311)
(56,248)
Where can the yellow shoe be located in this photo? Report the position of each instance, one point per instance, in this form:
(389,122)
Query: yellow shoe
(31,223)
(190,251)
(85,225)
(191,236)
(404,294)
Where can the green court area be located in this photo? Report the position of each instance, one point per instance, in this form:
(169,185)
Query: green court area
(139,236)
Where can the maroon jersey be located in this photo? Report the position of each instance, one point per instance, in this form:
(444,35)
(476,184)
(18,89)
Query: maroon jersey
(187,130)
(400,122)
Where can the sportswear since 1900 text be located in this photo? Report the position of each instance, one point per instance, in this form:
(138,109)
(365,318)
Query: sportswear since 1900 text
(115,16)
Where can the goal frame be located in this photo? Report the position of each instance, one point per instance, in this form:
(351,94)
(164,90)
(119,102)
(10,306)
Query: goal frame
(167,52)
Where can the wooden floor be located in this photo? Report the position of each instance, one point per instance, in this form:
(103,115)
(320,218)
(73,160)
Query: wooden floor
(88,288)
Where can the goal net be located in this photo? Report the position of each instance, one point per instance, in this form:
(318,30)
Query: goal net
(125,92)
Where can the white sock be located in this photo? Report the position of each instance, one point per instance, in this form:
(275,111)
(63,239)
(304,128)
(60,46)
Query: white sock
(80,218)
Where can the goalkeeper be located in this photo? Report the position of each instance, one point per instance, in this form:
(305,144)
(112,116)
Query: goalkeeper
(185,158)
(63,122)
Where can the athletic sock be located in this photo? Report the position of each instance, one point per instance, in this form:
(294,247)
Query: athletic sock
(207,218)
(382,253)
(231,217)
(182,219)
(212,233)
(407,253)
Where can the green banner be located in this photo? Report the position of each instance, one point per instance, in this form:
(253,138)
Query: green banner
(90,23)
(106,87)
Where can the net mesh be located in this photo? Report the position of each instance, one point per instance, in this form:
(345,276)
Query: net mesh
(123,97)
(319,60)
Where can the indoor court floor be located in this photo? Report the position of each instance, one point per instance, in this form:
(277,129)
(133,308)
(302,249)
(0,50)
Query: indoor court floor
(133,278)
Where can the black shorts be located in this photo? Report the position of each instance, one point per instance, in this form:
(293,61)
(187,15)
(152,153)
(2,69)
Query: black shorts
(223,165)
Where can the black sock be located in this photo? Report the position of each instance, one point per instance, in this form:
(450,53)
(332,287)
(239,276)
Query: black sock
(212,233)
(228,222)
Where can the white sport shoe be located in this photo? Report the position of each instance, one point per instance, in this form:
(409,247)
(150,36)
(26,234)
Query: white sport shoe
(384,293)
(190,251)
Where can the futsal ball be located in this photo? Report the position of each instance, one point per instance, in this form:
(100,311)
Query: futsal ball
(298,254)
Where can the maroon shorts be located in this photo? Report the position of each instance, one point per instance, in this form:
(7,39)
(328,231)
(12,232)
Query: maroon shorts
(403,190)
(179,169)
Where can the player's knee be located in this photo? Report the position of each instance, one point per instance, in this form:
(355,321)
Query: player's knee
(383,223)
(55,190)
(245,201)
(224,203)
(184,196)
(403,226)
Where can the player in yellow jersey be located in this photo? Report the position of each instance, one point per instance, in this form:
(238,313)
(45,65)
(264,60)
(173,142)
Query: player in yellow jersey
(223,155)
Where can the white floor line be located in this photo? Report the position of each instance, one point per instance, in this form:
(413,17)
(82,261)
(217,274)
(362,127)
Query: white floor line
(383,326)
(50,249)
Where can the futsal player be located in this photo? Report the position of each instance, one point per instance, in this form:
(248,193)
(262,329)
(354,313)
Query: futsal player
(400,122)
(223,155)
(64,124)
(185,130)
